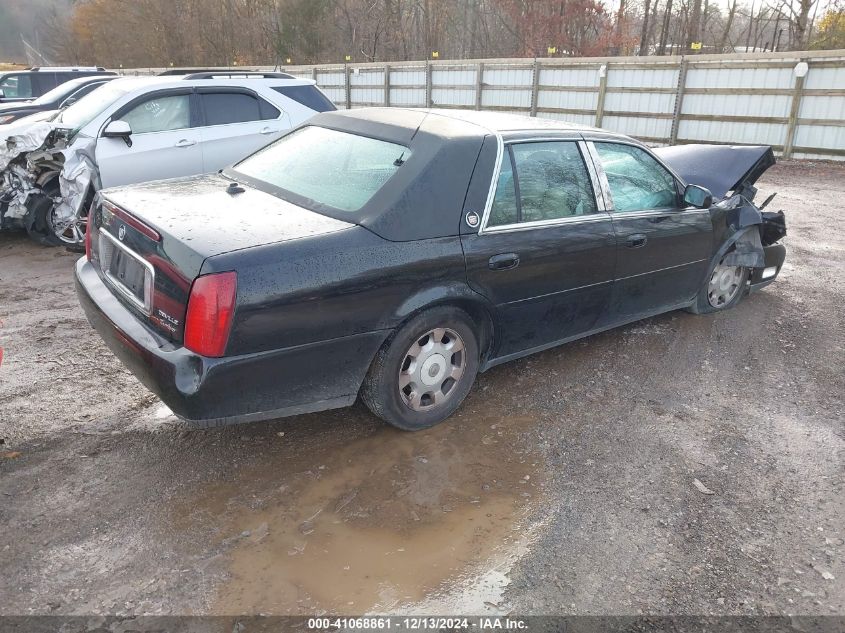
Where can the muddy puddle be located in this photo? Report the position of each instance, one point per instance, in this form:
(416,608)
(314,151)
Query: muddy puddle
(386,522)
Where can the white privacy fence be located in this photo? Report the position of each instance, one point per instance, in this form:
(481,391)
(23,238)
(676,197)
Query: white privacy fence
(794,101)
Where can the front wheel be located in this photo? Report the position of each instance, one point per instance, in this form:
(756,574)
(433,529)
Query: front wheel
(723,289)
(424,372)
(48,228)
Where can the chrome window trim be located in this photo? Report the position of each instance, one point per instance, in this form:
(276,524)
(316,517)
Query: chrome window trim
(601,210)
(536,224)
(116,283)
(494,183)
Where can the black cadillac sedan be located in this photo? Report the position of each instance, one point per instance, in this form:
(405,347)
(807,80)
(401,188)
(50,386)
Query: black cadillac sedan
(393,254)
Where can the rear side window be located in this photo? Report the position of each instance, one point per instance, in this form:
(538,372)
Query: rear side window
(551,182)
(222,108)
(16,86)
(308,96)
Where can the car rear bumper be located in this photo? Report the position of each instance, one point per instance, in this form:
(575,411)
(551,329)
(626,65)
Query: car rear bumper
(230,390)
(774,256)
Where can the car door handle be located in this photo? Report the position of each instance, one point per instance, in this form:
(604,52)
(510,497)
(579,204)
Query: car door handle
(636,240)
(505,261)
(185,143)
(268,130)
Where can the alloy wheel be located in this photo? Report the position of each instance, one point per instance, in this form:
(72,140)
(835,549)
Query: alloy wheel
(725,283)
(431,369)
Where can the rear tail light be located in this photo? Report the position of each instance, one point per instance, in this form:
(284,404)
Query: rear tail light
(211,306)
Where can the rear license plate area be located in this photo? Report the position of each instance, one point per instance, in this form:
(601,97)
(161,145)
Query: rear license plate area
(127,272)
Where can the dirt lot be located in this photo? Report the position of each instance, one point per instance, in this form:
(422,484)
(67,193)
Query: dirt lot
(684,464)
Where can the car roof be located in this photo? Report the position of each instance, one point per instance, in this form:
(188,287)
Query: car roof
(88,79)
(179,81)
(475,121)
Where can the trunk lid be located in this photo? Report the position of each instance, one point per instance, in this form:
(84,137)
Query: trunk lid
(150,241)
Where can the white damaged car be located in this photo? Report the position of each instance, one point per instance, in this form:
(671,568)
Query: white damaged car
(139,129)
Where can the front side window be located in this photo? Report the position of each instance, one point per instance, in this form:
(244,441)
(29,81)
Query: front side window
(637,181)
(551,183)
(222,108)
(16,87)
(336,169)
(160,114)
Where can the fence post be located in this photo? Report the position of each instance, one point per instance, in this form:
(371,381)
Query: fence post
(314,74)
(479,85)
(794,111)
(679,101)
(604,69)
(535,86)
(387,85)
(428,100)
(347,87)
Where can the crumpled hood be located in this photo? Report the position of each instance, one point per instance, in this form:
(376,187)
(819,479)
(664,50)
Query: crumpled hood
(720,168)
(20,137)
(199,212)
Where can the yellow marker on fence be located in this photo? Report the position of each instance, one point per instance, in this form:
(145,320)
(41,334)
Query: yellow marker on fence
(696,46)
(435,54)
(552,50)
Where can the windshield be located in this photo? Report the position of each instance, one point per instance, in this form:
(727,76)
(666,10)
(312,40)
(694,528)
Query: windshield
(83,111)
(335,169)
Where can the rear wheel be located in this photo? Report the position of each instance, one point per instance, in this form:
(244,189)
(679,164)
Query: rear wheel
(723,289)
(424,372)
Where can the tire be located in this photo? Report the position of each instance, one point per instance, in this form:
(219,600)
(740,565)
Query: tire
(40,208)
(722,290)
(434,356)
(41,227)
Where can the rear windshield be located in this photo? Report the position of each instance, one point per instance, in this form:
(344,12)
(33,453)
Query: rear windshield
(336,169)
(308,96)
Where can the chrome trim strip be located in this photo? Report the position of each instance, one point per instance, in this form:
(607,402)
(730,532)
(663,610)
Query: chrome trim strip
(604,184)
(488,206)
(148,309)
(598,193)
(660,270)
(559,292)
(536,224)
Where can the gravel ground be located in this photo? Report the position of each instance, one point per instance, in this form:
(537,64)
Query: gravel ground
(681,465)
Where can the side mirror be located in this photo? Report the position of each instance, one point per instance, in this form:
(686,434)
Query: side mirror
(698,196)
(68,102)
(119,129)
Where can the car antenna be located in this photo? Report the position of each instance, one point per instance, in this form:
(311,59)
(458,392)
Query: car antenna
(400,161)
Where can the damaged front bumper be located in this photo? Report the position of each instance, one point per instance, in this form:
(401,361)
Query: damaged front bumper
(773,258)
(41,161)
